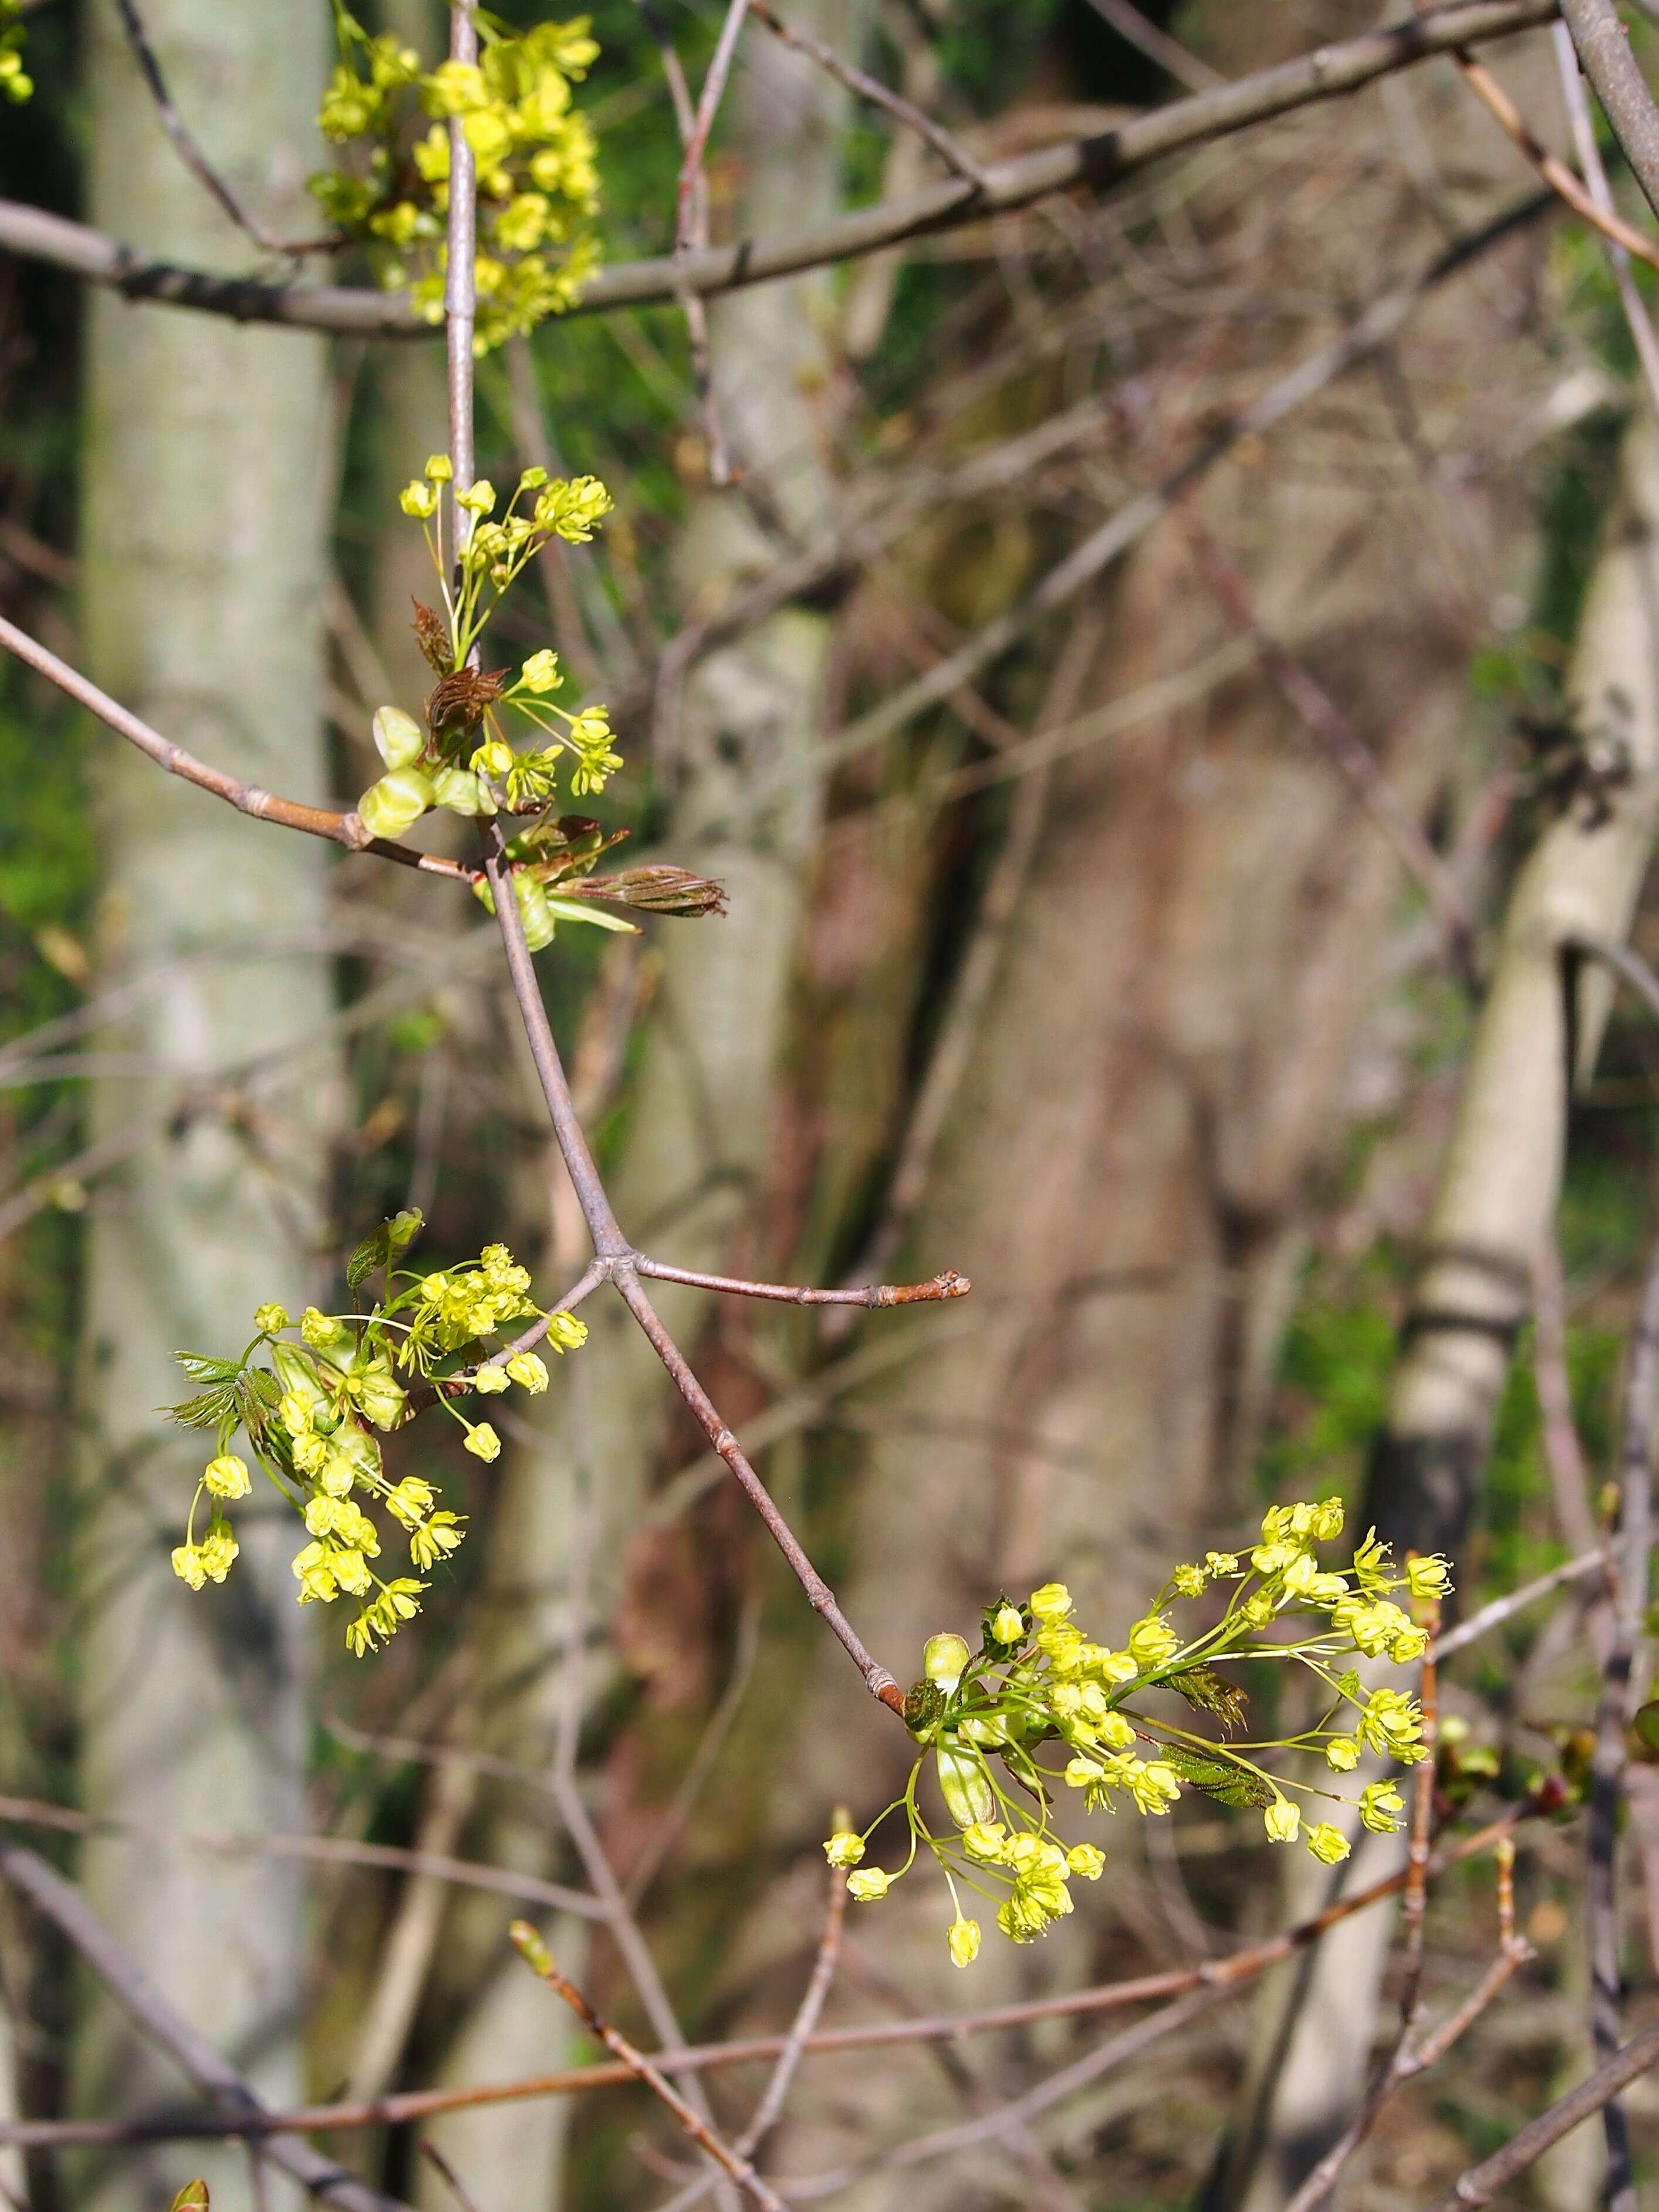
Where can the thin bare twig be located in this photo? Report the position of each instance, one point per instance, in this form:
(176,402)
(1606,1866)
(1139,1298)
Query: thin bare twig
(541,1960)
(450,2179)
(1158,46)
(691,231)
(344,1851)
(1094,162)
(1319,714)
(1234,1971)
(1503,1608)
(1482,2183)
(950,1284)
(339,828)
(190,154)
(150,2012)
(1577,102)
(1630,1597)
(951,151)
(1603,47)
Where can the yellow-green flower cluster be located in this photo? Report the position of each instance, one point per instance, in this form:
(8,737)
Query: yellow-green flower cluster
(1038,1684)
(16,82)
(538,181)
(462,759)
(310,1410)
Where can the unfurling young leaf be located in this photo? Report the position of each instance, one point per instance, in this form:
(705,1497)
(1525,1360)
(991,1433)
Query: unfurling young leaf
(385,1244)
(1221,1777)
(192,2198)
(1210,1692)
(659,889)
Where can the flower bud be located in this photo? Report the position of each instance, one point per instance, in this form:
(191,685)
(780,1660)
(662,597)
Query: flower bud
(944,1659)
(541,671)
(963,1937)
(490,1380)
(1052,1602)
(1008,1623)
(1342,1755)
(844,1849)
(493,757)
(387,808)
(269,1318)
(438,468)
(483,1443)
(1282,1820)
(965,1786)
(1085,1860)
(1328,1845)
(985,1841)
(867,1884)
(528,1372)
(399,738)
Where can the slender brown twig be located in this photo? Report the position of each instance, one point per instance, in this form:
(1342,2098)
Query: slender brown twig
(1482,2183)
(1629,1596)
(339,828)
(537,1956)
(691,231)
(1158,45)
(450,2179)
(1094,162)
(1353,758)
(190,154)
(150,2012)
(1577,102)
(1233,1973)
(950,1284)
(343,1851)
(1604,54)
(1504,1608)
(951,151)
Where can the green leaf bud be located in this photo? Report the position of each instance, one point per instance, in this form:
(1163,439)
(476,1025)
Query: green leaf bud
(399,738)
(533,911)
(400,798)
(461,792)
(964,1785)
(944,1659)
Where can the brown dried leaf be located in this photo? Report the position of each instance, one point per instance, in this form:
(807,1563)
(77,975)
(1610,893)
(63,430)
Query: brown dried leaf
(659,889)
(432,635)
(456,706)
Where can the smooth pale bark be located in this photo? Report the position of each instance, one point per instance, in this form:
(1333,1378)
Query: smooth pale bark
(206,457)
(697,1145)
(1498,1187)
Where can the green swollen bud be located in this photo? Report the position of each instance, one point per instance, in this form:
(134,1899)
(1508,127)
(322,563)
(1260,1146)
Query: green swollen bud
(965,1785)
(944,1659)
(461,792)
(297,1373)
(399,738)
(533,911)
(1008,1625)
(400,797)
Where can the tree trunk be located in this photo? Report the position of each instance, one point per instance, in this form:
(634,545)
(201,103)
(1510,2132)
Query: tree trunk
(206,463)
(1539,1029)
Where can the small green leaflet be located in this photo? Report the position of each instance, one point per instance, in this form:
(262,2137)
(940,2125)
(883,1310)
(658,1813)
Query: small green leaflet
(192,2198)
(385,1244)
(1222,1778)
(1210,1692)
(237,1397)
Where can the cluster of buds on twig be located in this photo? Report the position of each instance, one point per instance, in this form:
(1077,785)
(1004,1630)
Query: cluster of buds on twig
(537,180)
(1040,1711)
(310,1411)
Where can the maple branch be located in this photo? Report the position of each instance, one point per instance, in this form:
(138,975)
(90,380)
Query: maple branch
(1094,163)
